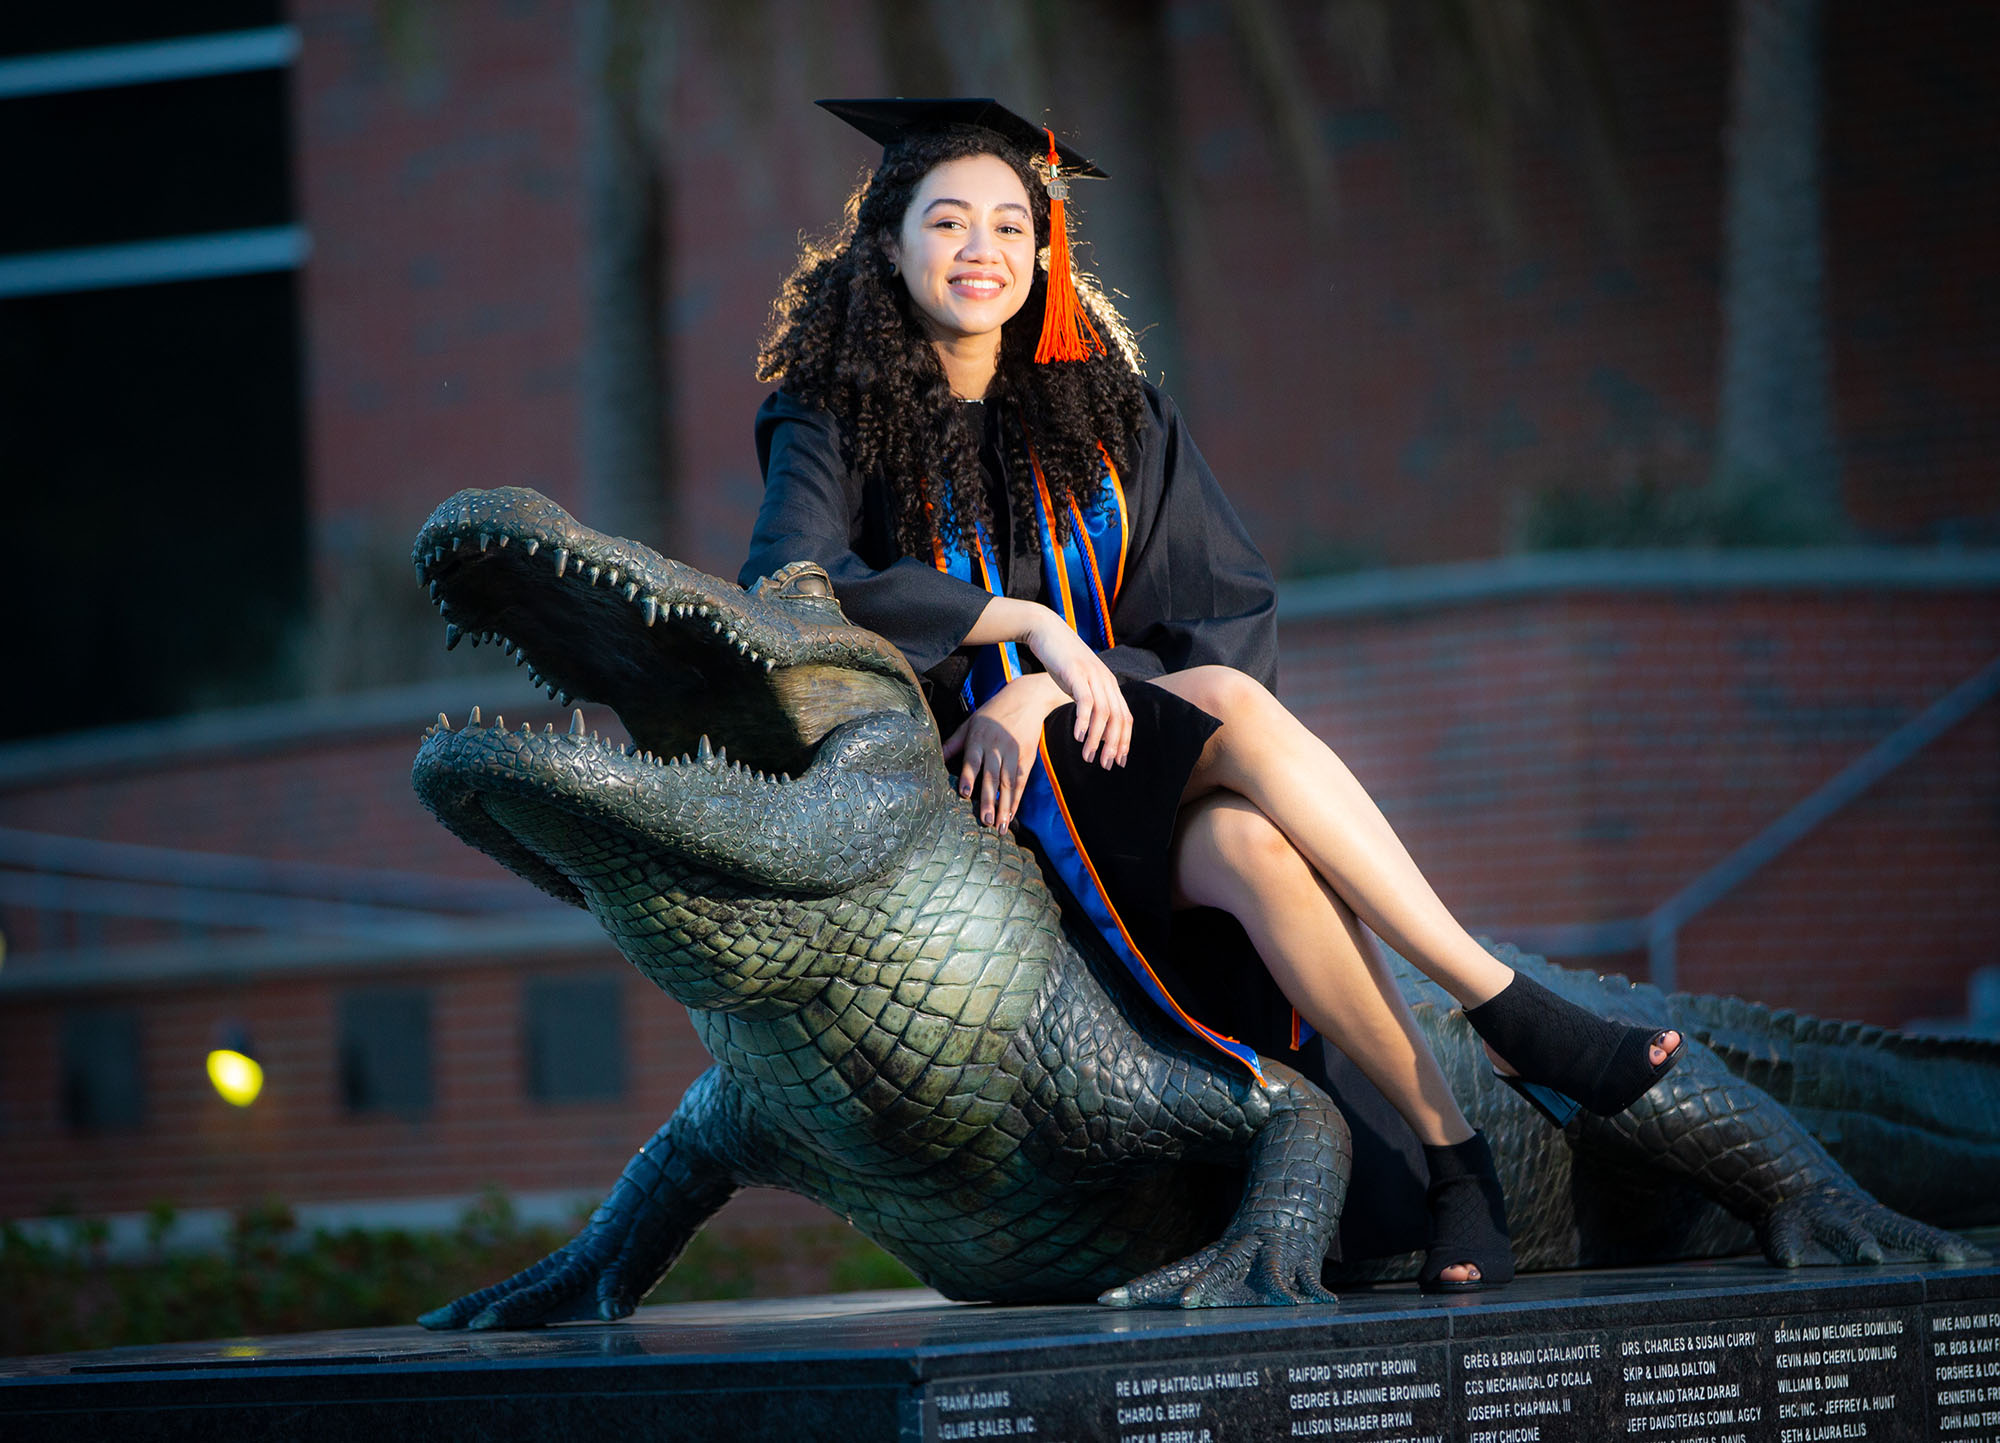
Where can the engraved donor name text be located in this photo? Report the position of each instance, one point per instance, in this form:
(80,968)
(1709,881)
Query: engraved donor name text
(1965,1375)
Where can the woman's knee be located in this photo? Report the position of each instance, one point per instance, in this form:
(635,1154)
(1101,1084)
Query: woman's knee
(1223,692)
(1227,851)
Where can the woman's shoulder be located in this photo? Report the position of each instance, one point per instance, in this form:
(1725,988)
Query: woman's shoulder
(784,406)
(1162,417)
(786,422)
(1160,407)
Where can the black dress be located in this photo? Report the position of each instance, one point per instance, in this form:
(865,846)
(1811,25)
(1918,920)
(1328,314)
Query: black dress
(1194,592)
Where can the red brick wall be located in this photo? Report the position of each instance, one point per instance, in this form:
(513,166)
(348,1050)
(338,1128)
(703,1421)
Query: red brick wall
(1578,758)
(438,178)
(298,1144)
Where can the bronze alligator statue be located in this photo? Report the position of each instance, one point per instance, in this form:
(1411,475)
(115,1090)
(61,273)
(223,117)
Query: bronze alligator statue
(905,1031)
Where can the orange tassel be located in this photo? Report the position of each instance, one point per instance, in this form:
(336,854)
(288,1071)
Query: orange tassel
(1064,320)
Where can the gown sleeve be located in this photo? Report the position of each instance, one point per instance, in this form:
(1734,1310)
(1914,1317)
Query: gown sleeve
(816,509)
(1195,591)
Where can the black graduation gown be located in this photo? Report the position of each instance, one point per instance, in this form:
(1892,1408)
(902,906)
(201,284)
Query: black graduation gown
(1195,591)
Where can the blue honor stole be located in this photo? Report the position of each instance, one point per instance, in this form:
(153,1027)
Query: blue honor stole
(1074,573)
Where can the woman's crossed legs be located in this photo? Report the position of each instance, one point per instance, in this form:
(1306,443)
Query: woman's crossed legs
(1275,830)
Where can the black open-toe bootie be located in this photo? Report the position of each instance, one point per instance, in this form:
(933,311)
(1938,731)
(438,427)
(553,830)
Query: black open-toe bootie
(1468,1219)
(1565,1058)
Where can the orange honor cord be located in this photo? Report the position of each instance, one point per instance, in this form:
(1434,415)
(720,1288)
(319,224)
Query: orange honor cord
(1089,557)
(1064,320)
(1124,518)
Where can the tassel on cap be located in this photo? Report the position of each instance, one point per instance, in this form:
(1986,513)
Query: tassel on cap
(1065,323)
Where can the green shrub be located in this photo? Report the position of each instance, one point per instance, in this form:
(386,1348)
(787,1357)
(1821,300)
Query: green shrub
(65,1294)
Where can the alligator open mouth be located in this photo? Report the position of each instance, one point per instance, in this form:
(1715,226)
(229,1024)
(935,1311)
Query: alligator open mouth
(700,671)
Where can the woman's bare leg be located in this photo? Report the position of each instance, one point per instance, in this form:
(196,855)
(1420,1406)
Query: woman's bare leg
(1265,754)
(1228,854)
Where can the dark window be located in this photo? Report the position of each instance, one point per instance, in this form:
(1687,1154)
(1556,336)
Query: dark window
(385,1050)
(137,162)
(163,421)
(572,1036)
(167,416)
(103,1088)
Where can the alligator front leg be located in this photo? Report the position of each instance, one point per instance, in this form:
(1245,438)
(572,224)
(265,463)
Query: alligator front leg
(672,1185)
(1737,1145)
(1272,1251)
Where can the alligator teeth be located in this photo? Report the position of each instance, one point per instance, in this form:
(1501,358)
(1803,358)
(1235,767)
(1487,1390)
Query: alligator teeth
(505,539)
(785,776)
(548,729)
(769,663)
(576,722)
(534,545)
(506,647)
(437,590)
(562,560)
(456,542)
(595,572)
(520,658)
(704,752)
(499,723)
(485,540)
(631,590)
(551,691)
(527,729)
(611,576)
(704,609)
(452,636)
(444,721)
(650,610)
(473,720)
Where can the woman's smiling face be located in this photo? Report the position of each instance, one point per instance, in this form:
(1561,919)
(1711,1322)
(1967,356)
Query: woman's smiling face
(967,248)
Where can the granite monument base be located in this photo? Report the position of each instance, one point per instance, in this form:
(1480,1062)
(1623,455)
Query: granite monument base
(1722,1352)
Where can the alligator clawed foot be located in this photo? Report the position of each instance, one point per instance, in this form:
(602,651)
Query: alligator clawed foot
(1274,1268)
(1834,1225)
(564,1287)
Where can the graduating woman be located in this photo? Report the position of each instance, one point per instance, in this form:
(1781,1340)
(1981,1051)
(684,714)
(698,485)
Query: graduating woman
(962,438)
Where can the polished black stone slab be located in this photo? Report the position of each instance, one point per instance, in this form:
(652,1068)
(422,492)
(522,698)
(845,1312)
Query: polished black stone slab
(1722,1352)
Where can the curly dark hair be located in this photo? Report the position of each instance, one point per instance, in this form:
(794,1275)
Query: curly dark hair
(845,336)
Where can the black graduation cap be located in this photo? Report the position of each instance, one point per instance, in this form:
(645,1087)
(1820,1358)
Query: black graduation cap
(887,121)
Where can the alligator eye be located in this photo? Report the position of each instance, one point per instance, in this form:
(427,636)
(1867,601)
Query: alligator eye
(802,579)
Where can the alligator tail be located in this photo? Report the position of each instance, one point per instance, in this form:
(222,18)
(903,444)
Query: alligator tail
(1915,1118)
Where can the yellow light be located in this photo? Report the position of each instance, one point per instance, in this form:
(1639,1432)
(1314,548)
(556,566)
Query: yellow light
(238,1078)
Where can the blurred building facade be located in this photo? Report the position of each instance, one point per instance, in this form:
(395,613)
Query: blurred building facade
(1776,774)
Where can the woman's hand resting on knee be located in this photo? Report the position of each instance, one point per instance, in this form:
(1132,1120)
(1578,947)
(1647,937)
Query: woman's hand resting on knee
(996,746)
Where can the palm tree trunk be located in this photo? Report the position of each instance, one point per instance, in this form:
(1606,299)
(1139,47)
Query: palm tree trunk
(627,467)
(1775,410)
